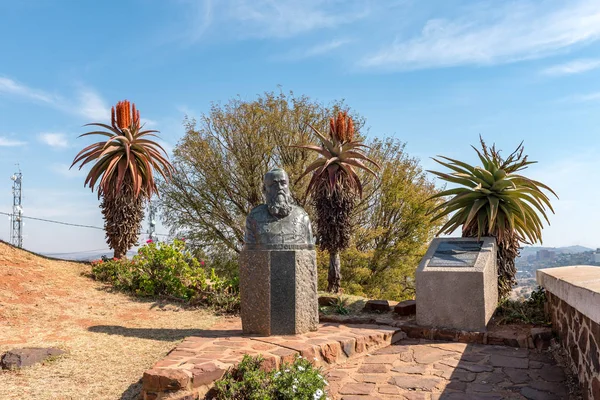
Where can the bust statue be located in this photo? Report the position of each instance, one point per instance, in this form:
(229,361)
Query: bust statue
(280,223)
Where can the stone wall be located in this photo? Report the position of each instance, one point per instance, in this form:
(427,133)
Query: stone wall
(578,333)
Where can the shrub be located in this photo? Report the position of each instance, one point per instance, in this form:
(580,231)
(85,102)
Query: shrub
(163,269)
(530,311)
(297,381)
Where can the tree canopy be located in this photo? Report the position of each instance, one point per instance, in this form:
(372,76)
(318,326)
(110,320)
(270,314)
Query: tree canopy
(222,158)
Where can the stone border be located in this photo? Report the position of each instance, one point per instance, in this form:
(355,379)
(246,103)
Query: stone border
(526,337)
(190,369)
(573,302)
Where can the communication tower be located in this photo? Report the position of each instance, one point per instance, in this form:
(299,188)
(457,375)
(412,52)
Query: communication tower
(16,232)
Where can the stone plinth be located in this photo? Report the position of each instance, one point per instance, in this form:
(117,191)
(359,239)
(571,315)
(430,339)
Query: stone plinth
(573,302)
(457,284)
(278,288)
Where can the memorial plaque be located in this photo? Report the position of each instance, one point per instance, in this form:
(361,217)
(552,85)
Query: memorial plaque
(456,254)
(457,284)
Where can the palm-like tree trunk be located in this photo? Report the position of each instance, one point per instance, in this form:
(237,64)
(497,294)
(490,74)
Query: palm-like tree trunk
(123,214)
(334,275)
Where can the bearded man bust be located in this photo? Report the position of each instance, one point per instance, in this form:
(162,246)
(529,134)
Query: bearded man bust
(279,223)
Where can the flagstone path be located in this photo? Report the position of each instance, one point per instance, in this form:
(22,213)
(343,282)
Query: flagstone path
(414,369)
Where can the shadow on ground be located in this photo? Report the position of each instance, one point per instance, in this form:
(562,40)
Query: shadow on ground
(133,391)
(500,372)
(162,334)
(423,369)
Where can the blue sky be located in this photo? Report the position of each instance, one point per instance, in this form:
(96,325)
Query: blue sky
(435,74)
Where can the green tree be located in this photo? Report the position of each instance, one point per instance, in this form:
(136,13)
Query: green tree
(391,226)
(495,200)
(124,166)
(221,162)
(222,159)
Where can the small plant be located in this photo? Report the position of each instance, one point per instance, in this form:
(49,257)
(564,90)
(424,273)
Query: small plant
(248,381)
(341,306)
(530,311)
(163,269)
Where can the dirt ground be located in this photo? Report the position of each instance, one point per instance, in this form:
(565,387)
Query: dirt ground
(110,338)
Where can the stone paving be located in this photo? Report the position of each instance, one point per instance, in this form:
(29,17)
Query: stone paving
(414,369)
(200,360)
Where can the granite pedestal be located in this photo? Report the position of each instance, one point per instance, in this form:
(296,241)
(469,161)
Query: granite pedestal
(457,284)
(278,287)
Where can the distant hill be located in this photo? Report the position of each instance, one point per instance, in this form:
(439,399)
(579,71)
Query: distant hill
(532,250)
(86,256)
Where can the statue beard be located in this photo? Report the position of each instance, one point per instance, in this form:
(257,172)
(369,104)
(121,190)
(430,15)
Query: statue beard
(280,205)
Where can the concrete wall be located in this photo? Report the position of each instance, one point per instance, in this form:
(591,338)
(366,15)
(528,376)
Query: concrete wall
(573,302)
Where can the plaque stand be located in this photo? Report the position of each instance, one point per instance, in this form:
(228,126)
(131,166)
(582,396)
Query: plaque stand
(457,284)
(278,288)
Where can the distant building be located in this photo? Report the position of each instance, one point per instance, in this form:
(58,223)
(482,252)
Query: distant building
(545,255)
(596,257)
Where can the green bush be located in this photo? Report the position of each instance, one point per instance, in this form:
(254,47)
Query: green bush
(296,381)
(163,269)
(530,311)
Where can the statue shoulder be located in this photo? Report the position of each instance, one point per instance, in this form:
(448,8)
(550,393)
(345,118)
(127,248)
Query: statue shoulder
(258,211)
(297,210)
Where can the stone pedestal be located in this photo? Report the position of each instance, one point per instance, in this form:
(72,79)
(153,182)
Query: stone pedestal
(278,288)
(457,284)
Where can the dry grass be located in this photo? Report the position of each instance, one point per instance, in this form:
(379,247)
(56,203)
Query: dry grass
(110,338)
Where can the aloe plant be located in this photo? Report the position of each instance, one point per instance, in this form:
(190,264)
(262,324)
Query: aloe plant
(124,167)
(494,200)
(334,187)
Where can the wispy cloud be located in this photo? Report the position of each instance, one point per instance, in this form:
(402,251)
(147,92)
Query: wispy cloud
(91,105)
(12,87)
(314,51)
(582,98)
(67,172)
(7,142)
(87,103)
(494,34)
(57,140)
(572,67)
(268,18)
(286,18)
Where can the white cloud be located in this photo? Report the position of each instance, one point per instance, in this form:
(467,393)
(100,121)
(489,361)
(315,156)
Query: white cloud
(498,33)
(12,87)
(572,67)
(314,51)
(7,142)
(285,18)
(58,140)
(91,105)
(582,98)
(268,18)
(67,172)
(87,103)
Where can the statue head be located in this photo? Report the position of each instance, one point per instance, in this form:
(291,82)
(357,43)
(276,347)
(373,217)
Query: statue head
(276,190)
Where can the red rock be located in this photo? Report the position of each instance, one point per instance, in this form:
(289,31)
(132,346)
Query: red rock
(372,369)
(331,352)
(327,301)
(407,307)
(357,388)
(163,379)
(377,305)
(25,357)
(206,374)
(286,355)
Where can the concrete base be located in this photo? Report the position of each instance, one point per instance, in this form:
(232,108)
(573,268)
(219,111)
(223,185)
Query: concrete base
(461,294)
(279,291)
